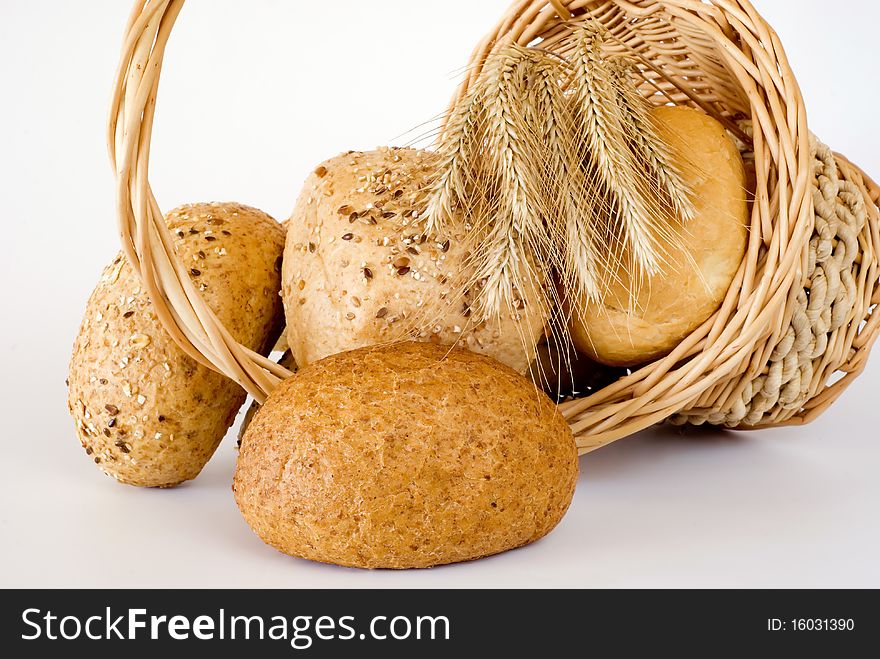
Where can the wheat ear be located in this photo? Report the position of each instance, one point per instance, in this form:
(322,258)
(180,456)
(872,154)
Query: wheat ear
(458,149)
(639,220)
(511,229)
(646,141)
(574,250)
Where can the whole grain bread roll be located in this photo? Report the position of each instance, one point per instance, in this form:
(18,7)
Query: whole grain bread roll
(405,456)
(692,285)
(358,269)
(146,413)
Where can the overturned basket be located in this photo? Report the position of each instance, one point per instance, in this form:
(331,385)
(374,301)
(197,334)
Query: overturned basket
(799,320)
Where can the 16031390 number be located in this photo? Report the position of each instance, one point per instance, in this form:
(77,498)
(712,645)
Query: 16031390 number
(811,625)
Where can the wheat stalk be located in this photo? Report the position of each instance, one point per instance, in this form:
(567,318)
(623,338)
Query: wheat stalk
(555,165)
(575,252)
(652,150)
(458,148)
(511,229)
(606,146)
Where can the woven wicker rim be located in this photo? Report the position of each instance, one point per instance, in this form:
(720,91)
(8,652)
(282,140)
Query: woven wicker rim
(720,56)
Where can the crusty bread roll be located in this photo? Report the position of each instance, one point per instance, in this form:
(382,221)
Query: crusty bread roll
(146,413)
(405,456)
(673,303)
(359,271)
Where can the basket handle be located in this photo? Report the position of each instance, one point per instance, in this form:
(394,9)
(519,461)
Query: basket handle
(146,240)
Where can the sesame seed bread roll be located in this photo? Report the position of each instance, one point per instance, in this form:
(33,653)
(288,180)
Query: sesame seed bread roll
(146,413)
(358,269)
(691,287)
(405,456)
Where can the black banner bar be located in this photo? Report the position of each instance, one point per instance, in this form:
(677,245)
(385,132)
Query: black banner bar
(433,623)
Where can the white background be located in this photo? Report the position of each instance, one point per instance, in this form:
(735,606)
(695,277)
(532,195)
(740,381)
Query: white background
(256,93)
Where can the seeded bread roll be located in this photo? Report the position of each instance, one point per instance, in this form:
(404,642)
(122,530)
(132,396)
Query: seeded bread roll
(146,413)
(359,271)
(672,304)
(405,456)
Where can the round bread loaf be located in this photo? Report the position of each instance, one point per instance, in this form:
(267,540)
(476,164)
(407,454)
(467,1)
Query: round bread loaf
(673,303)
(358,269)
(405,456)
(146,413)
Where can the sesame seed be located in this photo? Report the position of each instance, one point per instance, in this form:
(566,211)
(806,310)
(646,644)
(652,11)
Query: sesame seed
(382,312)
(112,409)
(347,236)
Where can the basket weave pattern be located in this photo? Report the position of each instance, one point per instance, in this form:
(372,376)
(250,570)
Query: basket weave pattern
(798,322)
(826,315)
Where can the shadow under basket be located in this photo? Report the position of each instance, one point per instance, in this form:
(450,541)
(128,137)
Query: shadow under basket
(799,320)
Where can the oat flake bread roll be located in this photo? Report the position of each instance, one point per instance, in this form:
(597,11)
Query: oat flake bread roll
(146,413)
(675,302)
(358,269)
(405,456)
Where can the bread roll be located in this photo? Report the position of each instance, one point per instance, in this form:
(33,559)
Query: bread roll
(146,413)
(405,456)
(358,270)
(672,304)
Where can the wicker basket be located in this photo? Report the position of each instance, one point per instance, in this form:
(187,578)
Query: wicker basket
(799,320)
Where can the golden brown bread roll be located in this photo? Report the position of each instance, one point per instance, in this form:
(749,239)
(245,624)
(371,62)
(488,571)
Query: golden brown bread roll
(673,303)
(405,456)
(146,413)
(359,271)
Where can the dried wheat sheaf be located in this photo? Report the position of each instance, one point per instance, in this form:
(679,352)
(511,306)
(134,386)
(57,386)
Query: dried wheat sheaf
(554,166)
